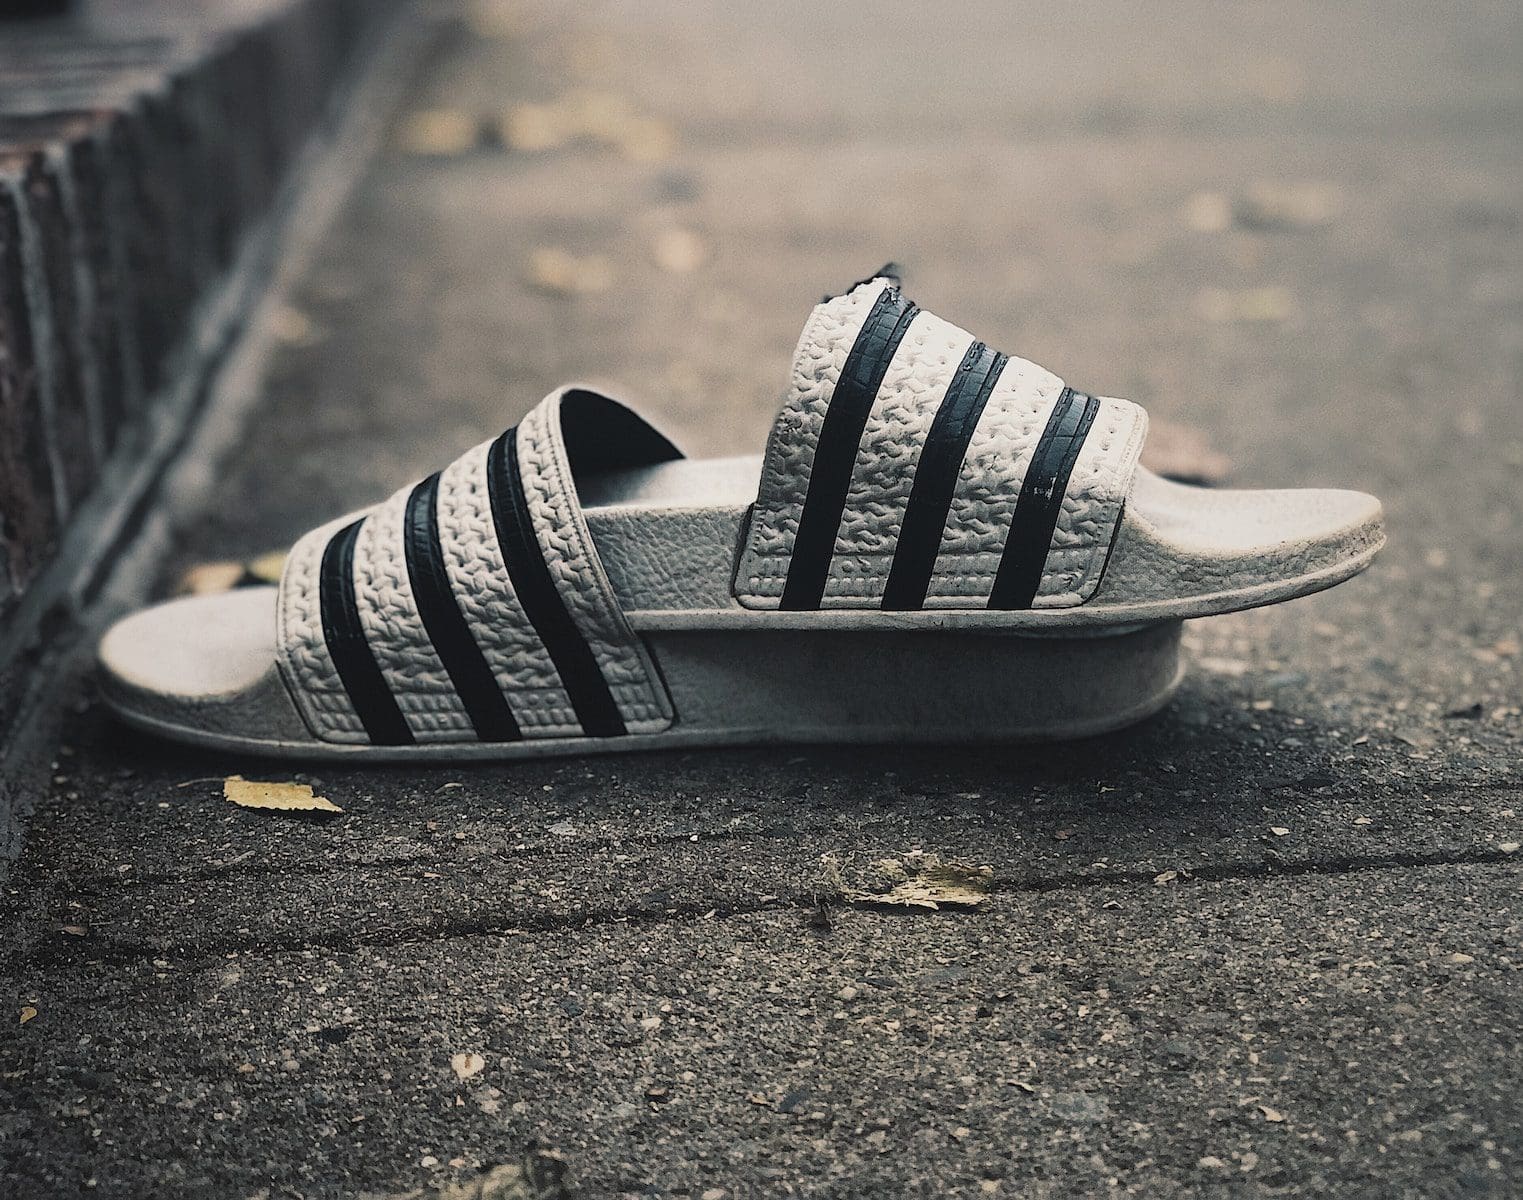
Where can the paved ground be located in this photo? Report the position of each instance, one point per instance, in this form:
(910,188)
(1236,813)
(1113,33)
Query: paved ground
(1296,226)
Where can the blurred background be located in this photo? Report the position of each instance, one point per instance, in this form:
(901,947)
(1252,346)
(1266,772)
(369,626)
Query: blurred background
(1289,230)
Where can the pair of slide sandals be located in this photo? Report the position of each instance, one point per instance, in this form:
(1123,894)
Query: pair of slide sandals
(946,544)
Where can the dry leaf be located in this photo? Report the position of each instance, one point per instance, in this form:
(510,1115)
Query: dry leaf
(467,1066)
(1262,304)
(926,882)
(541,1176)
(27,1013)
(1272,1115)
(267,568)
(565,274)
(204,579)
(534,127)
(1234,668)
(648,139)
(282,797)
(1208,212)
(1273,205)
(292,327)
(603,117)
(440,132)
(1183,453)
(1164,877)
(497,19)
(679,251)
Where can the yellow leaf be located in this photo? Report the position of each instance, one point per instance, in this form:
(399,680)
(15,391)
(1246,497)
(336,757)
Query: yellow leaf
(467,1066)
(292,326)
(283,797)
(534,127)
(441,132)
(203,579)
(647,139)
(555,270)
(1266,304)
(679,251)
(267,567)
(27,1013)
(926,882)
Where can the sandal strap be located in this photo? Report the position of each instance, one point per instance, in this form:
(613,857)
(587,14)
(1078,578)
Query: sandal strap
(473,605)
(913,467)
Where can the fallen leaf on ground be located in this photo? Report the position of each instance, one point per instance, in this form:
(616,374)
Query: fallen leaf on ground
(27,1013)
(206,578)
(293,327)
(925,882)
(541,1176)
(1273,1115)
(497,19)
(647,139)
(1262,304)
(555,270)
(603,117)
(439,132)
(267,568)
(535,127)
(1183,453)
(1269,204)
(679,251)
(467,1066)
(1208,212)
(1233,667)
(282,797)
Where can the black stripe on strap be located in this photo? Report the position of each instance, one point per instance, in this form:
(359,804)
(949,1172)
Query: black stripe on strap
(351,653)
(836,451)
(457,649)
(542,603)
(1041,500)
(925,515)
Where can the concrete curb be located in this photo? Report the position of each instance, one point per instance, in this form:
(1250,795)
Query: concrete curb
(138,165)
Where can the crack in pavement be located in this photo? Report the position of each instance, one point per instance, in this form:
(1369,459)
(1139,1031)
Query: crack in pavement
(68,954)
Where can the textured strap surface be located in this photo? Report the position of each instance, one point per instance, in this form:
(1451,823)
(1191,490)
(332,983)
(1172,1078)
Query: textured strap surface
(483,577)
(975,479)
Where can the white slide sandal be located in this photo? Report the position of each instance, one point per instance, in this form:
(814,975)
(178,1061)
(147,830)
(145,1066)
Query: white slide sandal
(946,544)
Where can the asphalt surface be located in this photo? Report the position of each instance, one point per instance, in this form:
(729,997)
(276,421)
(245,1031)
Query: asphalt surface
(1265,944)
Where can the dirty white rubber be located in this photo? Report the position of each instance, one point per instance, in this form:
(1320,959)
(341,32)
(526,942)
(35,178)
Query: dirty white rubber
(941,544)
